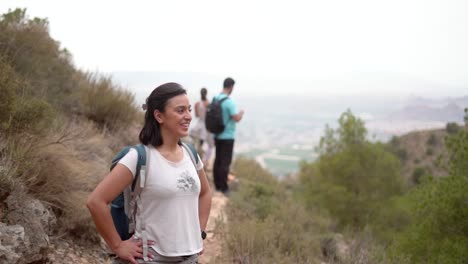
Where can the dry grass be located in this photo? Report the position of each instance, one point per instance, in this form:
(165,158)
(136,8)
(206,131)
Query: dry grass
(265,224)
(106,103)
(75,170)
(62,169)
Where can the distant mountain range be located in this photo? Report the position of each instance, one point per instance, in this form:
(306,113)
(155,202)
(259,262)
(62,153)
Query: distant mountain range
(424,109)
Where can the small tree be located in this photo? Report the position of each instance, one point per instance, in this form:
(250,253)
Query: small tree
(432,140)
(352,178)
(452,128)
(439,230)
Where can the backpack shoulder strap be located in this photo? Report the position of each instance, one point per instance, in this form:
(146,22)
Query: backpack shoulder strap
(192,153)
(136,202)
(221,100)
(225,98)
(140,148)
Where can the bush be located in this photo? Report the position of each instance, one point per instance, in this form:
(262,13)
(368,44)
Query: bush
(394,146)
(429,151)
(37,58)
(20,113)
(418,174)
(394,142)
(9,85)
(107,104)
(265,224)
(402,154)
(452,128)
(432,140)
(457,146)
(30,116)
(438,230)
(352,178)
(249,170)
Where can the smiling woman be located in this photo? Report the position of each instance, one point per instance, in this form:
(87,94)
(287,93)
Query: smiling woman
(174,205)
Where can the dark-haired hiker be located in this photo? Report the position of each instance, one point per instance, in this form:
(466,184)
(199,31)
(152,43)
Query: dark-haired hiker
(176,199)
(199,133)
(224,141)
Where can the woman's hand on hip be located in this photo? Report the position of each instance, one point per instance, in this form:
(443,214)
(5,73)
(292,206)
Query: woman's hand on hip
(132,249)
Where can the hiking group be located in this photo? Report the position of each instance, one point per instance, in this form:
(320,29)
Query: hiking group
(217,123)
(158,192)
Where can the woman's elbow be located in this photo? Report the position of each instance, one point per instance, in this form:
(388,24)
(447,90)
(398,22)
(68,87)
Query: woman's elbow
(207,193)
(92,202)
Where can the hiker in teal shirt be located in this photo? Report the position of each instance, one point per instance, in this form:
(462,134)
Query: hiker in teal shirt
(229,109)
(224,141)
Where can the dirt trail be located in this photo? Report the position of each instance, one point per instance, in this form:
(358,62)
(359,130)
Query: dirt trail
(212,243)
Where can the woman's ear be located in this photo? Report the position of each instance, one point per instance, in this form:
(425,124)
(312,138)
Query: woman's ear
(158,116)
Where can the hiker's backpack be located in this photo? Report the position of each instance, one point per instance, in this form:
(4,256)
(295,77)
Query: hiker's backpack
(123,207)
(214,116)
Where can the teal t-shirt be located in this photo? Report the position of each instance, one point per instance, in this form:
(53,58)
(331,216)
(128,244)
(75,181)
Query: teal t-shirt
(229,109)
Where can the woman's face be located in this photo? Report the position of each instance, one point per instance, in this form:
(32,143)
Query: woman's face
(176,117)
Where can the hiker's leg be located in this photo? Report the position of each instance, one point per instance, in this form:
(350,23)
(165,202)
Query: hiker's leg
(227,165)
(222,163)
(217,162)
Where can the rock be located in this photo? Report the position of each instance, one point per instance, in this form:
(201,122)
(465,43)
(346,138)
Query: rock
(11,243)
(37,221)
(334,248)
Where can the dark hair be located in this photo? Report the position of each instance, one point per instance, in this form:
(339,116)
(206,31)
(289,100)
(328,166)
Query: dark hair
(150,133)
(203,93)
(229,83)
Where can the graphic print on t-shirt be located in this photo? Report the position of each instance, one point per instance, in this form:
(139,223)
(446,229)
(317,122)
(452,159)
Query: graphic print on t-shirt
(186,182)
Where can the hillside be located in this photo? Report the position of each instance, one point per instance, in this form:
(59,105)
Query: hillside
(60,127)
(423,152)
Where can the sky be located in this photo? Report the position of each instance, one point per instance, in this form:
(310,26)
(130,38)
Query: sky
(405,47)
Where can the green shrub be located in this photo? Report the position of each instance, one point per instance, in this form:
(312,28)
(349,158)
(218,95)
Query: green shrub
(352,178)
(452,128)
(438,230)
(37,58)
(20,114)
(457,146)
(402,154)
(265,224)
(394,142)
(418,174)
(429,151)
(432,140)
(9,85)
(249,170)
(263,190)
(394,146)
(107,104)
(31,116)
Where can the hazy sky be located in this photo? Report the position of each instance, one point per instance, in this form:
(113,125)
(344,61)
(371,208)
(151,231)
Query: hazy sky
(421,45)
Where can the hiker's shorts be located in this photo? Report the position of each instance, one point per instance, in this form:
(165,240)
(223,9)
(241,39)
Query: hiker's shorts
(160,259)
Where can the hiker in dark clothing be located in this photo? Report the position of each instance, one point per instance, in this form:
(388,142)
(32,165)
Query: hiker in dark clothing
(224,141)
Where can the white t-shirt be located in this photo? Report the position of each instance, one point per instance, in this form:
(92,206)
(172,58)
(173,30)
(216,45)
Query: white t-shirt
(170,202)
